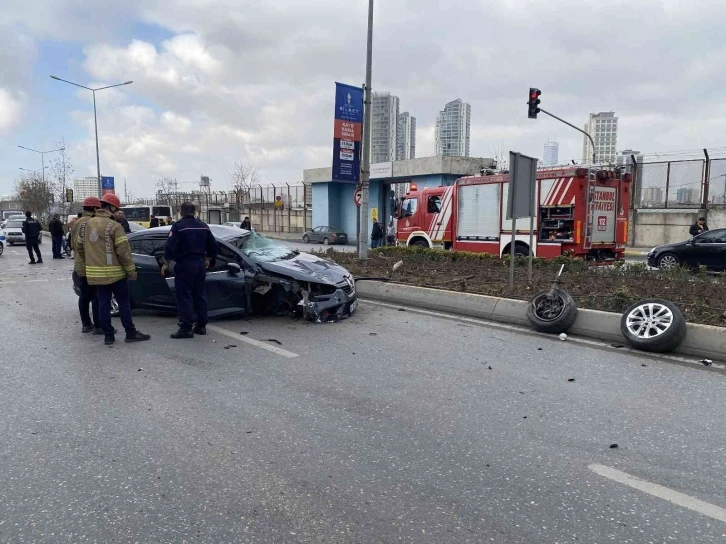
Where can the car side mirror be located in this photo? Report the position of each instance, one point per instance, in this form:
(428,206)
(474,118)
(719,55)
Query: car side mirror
(234,268)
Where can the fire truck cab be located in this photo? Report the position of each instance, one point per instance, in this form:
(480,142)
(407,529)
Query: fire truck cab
(580,212)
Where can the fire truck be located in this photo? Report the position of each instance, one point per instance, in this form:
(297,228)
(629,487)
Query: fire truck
(579,212)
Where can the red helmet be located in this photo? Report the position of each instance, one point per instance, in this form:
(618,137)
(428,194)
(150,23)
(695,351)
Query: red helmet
(91,202)
(110,198)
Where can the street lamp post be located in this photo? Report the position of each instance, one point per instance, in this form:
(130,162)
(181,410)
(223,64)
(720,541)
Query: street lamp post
(95,120)
(42,162)
(365,180)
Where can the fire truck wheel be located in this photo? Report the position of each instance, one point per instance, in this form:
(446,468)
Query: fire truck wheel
(420,243)
(520,250)
(552,314)
(653,324)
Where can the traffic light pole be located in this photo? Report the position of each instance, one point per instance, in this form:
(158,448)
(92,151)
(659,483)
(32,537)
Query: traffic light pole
(365,181)
(594,154)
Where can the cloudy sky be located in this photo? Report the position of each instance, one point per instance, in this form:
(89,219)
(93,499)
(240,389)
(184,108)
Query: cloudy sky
(217,81)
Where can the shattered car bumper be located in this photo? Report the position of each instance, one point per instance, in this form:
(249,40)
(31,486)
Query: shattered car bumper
(335,306)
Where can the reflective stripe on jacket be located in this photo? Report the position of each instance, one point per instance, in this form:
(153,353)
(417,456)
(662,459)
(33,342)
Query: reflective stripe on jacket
(104,250)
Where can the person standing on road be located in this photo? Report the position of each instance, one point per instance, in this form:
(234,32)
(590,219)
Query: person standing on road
(246,224)
(55,227)
(154,222)
(192,247)
(391,234)
(121,216)
(32,230)
(376,235)
(107,262)
(88,295)
(699,227)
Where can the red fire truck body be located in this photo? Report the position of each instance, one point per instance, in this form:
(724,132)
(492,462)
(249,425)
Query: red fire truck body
(579,212)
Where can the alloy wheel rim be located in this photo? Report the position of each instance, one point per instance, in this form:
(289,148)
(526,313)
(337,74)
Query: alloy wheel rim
(649,320)
(668,261)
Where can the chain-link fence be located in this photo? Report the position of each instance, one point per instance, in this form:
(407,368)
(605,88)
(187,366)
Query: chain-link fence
(671,184)
(717,182)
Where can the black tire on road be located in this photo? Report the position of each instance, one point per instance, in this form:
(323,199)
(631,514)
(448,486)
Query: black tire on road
(654,325)
(554,314)
(306,238)
(668,260)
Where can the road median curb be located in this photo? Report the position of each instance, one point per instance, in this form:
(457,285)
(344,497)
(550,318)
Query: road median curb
(702,341)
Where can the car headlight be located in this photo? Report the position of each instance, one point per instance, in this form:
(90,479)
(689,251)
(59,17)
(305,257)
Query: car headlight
(652,251)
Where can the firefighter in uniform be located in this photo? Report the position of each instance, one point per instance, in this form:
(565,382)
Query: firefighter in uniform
(88,295)
(192,247)
(107,262)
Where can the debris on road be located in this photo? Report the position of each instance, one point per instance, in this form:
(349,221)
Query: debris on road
(563,336)
(613,446)
(618,346)
(230,346)
(570,379)
(243,333)
(706,362)
(275,341)
(489,367)
(372,334)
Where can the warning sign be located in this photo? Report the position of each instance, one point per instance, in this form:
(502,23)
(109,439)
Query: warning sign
(602,223)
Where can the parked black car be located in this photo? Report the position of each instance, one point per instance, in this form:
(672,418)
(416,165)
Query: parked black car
(325,235)
(707,249)
(253,274)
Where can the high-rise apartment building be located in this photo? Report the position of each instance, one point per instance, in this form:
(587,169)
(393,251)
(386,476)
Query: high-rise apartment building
(85,187)
(551,153)
(625,158)
(603,127)
(384,130)
(453,129)
(406,137)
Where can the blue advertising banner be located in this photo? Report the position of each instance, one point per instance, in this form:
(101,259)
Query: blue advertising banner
(107,185)
(347,133)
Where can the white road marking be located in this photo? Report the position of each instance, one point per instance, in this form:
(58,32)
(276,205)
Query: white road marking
(253,342)
(662,492)
(14,252)
(518,328)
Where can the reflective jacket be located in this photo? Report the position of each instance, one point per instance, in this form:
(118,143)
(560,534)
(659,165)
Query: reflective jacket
(104,251)
(78,226)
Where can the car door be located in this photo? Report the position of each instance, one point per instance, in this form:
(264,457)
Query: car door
(315,235)
(149,289)
(710,249)
(228,288)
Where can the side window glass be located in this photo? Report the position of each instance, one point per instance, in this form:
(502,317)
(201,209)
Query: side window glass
(224,256)
(434,204)
(137,246)
(410,206)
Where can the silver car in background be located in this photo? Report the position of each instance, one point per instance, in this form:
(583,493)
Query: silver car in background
(14,231)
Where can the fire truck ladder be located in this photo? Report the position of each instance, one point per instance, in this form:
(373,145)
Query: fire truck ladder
(590,213)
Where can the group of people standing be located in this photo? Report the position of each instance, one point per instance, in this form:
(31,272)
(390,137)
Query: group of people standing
(381,237)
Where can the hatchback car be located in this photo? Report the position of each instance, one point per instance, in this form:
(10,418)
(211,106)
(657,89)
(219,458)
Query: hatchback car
(707,249)
(252,274)
(325,235)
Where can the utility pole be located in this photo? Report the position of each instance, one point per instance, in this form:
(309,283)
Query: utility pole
(365,182)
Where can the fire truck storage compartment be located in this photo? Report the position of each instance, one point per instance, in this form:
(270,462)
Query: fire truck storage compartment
(478,212)
(603,215)
(558,223)
(522,222)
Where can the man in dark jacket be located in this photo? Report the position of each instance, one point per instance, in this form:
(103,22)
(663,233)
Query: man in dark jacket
(121,216)
(246,224)
(154,222)
(699,227)
(376,235)
(55,227)
(191,245)
(32,231)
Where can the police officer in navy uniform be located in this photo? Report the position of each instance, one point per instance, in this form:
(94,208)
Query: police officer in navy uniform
(191,245)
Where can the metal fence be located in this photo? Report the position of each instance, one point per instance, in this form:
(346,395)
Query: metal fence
(273,208)
(686,184)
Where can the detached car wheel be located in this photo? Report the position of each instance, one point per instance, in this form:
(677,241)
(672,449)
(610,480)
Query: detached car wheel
(668,260)
(552,313)
(654,325)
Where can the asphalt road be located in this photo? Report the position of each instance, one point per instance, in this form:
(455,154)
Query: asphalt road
(392,426)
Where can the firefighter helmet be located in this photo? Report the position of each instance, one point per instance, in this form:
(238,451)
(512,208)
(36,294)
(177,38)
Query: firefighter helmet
(91,202)
(112,199)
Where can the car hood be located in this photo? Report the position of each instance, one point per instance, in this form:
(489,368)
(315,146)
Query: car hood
(671,247)
(307,267)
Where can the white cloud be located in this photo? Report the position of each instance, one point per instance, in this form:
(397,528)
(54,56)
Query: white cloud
(11,108)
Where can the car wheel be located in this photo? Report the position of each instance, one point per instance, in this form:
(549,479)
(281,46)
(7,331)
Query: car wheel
(114,307)
(552,313)
(306,238)
(654,324)
(1,248)
(668,260)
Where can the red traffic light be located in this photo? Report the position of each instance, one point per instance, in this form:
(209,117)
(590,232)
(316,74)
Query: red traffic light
(535,94)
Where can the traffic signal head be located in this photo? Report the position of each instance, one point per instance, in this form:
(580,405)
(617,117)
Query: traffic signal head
(533,102)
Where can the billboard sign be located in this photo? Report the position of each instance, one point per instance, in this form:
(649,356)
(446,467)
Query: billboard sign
(347,131)
(107,185)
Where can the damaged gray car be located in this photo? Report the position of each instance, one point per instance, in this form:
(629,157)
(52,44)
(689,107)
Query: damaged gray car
(252,275)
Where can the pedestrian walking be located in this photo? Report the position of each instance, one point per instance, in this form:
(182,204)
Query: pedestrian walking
(108,265)
(391,234)
(88,295)
(192,247)
(154,222)
(55,227)
(246,224)
(699,227)
(376,235)
(33,230)
(121,216)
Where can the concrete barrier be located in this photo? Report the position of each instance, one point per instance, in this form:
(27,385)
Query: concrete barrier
(702,341)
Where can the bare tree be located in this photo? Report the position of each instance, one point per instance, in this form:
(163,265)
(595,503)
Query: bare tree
(165,188)
(34,194)
(498,154)
(243,177)
(61,170)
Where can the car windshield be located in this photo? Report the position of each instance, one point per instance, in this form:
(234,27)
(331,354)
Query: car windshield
(261,249)
(14,224)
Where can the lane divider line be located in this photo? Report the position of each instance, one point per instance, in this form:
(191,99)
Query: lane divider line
(662,492)
(257,343)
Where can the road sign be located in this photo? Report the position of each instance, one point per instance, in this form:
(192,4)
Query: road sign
(357,197)
(374,214)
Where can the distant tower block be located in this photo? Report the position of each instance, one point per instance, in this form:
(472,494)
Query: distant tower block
(204,185)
